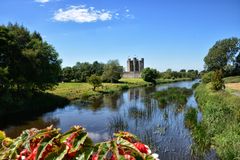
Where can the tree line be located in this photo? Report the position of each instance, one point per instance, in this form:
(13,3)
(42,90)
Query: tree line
(110,72)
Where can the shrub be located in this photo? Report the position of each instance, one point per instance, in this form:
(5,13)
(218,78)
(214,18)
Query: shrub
(217,81)
(207,77)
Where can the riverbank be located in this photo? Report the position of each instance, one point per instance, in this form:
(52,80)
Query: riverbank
(221,116)
(83,91)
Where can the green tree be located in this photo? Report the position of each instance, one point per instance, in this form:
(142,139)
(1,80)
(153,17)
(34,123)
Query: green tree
(95,81)
(112,71)
(149,75)
(32,64)
(82,71)
(67,74)
(223,55)
(97,68)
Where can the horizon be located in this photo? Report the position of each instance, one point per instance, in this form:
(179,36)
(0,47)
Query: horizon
(167,34)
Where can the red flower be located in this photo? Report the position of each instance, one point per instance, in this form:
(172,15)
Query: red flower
(142,147)
(95,156)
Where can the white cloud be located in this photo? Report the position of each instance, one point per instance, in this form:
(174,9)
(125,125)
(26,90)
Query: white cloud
(42,1)
(82,14)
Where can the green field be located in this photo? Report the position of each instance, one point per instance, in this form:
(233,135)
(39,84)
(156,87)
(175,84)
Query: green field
(73,91)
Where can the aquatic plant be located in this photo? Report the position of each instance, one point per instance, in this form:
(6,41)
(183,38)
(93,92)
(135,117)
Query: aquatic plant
(190,118)
(172,95)
(49,143)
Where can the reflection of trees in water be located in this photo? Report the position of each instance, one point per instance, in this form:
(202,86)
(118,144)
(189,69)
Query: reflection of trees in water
(113,101)
(39,123)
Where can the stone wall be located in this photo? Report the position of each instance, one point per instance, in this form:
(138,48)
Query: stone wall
(131,75)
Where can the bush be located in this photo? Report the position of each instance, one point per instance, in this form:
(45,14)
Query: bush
(207,77)
(217,81)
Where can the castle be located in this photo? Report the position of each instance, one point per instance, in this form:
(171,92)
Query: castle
(134,68)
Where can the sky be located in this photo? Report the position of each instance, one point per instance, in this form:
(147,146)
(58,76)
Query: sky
(172,34)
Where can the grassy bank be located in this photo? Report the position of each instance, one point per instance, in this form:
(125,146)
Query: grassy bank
(221,117)
(83,91)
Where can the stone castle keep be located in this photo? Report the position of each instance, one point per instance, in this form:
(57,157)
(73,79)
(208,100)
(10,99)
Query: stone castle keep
(134,68)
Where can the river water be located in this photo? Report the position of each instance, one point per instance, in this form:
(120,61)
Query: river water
(131,110)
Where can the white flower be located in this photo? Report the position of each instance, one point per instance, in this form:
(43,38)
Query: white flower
(155,156)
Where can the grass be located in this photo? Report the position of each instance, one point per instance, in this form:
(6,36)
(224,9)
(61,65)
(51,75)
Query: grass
(83,91)
(221,118)
(233,79)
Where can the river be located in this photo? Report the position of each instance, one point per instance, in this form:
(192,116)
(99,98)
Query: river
(162,128)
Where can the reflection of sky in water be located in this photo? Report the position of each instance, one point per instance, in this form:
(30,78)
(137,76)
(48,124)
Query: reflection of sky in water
(163,127)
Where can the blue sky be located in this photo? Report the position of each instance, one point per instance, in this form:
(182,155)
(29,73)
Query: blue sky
(167,33)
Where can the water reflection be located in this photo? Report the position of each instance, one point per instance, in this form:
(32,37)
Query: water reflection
(132,110)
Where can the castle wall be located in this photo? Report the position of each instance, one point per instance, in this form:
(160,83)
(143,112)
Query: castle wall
(131,75)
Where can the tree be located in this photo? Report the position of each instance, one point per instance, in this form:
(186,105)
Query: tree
(97,68)
(67,74)
(82,71)
(112,71)
(222,56)
(30,63)
(149,75)
(95,81)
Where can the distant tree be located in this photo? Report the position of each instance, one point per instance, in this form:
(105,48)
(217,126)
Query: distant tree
(222,56)
(67,74)
(97,68)
(95,81)
(149,75)
(217,81)
(112,71)
(167,74)
(82,71)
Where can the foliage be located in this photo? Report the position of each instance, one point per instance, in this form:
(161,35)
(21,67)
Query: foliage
(80,72)
(207,77)
(50,144)
(173,95)
(149,75)
(217,81)
(169,74)
(67,74)
(95,81)
(112,71)
(221,118)
(27,62)
(190,118)
(223,55)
